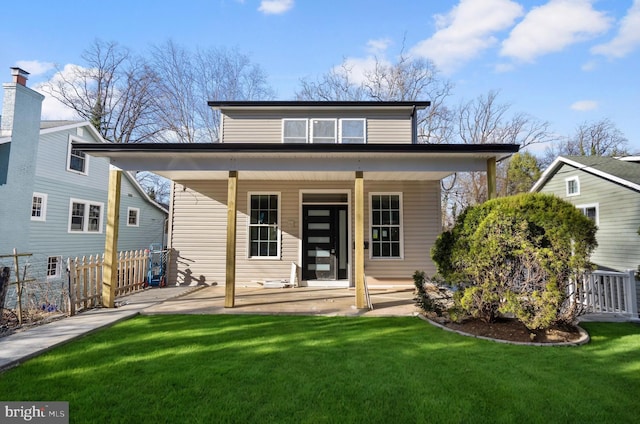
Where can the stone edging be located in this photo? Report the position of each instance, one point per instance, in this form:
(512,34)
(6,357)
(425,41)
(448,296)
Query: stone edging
(584,336)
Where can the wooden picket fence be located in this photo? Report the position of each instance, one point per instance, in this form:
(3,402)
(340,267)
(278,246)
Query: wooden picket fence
(85,278)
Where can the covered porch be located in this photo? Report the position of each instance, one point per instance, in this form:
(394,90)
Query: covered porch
(283,162)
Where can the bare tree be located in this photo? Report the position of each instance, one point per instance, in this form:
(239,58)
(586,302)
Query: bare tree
(157,187)
(484,120)
(597,138)
(112,89)
(405,80)
(187,80)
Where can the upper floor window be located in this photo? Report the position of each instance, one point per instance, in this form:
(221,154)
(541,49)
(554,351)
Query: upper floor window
(132,217)
(352,131)
(386,225)
(39,207)
(324,130)
(294,130)
(573,186)
(77,160)
(85,216)
(264,240)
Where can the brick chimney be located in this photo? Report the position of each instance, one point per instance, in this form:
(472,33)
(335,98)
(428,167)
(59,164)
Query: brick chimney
(20,76)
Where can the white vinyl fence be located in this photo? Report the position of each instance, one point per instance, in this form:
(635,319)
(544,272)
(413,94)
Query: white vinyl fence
(605,292)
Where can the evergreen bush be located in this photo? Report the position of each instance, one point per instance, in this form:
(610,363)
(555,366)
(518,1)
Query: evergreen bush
(517,256)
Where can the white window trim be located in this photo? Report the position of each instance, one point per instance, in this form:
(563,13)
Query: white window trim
(86,157)
(58,268)
(364,128)
(306,129)
(279,224)
(335,129)
(566,184)
(43,210)
(400,200)
(87,203)
(591,205)
(137,210)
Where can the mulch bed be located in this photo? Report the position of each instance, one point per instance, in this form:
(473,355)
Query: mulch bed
(9,321)
(514,331)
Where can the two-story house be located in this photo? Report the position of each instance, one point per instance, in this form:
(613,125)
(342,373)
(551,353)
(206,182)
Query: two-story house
(341,189)
(606,190)
(53,197)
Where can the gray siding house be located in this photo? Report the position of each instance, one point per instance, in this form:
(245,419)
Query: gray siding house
(53,197)
(606,190)
(340,189)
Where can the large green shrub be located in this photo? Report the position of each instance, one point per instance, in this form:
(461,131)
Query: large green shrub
(517,255)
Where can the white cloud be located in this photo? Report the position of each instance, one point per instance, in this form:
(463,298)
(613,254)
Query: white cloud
(275,7)
(35,67)
(466,31)
(584,105)
(552,27)
(359,67)
(52,109)
(628,38)
(378,46)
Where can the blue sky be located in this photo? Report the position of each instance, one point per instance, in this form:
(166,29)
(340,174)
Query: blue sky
(562,61)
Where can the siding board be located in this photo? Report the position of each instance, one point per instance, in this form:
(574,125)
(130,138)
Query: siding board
(199,234)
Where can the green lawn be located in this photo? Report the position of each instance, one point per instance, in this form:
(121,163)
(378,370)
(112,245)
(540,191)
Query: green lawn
(281,369)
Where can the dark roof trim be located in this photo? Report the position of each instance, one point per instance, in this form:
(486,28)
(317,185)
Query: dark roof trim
(294,148)
(315,104)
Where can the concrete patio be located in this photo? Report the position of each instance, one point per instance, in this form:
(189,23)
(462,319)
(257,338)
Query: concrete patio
(292,301)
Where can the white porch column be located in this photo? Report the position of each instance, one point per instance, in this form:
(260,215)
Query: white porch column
(230,274)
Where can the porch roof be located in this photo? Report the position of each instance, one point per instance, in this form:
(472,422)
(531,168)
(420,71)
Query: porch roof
(300,161)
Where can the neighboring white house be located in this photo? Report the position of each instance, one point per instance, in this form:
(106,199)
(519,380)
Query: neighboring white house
(53,197)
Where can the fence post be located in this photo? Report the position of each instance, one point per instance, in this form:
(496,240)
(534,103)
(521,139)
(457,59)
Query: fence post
(5,274)
(71,271)
(631,298)
(18,284)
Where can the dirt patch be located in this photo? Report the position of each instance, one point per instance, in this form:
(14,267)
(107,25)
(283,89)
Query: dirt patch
(514,331)
(9,323)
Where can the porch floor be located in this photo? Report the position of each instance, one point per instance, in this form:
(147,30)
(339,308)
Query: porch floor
(289,301)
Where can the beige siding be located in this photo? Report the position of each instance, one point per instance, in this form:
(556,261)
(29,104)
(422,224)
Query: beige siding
(199,230)
(266,127)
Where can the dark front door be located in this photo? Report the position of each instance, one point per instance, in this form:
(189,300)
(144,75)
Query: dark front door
(324,242)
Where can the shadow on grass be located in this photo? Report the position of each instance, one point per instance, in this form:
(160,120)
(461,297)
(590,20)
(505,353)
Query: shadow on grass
(235,368)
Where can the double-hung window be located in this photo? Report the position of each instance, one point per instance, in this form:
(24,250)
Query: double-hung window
(85,216)
(39,207)
(264,225)
(294,130)
(573,186)
(386,225)
(323,131)
(132,217)
(77,160)
(590,211)
(352,131)
(54,266)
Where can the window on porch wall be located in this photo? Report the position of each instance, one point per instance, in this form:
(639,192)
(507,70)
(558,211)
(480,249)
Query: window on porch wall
(264,228)
(386,227)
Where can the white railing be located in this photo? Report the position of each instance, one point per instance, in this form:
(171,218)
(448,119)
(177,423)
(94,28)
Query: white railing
(605,292)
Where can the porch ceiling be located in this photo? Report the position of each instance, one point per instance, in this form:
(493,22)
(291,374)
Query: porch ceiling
(300,162)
